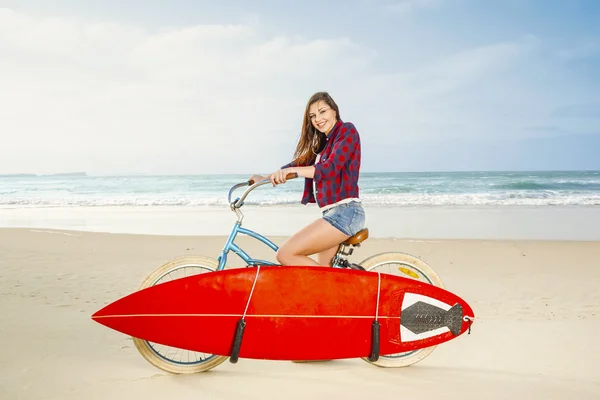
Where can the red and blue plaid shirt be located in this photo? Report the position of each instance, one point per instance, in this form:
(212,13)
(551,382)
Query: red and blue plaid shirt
(336,173)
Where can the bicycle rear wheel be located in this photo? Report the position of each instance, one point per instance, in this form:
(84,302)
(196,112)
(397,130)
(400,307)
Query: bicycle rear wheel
(172,359)
(407,266)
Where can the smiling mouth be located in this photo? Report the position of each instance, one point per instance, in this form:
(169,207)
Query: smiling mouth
(321,124)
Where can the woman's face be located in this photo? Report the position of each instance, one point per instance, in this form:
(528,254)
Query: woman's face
(322,116)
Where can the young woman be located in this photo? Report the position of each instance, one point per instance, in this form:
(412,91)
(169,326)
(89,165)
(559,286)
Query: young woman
(328,157)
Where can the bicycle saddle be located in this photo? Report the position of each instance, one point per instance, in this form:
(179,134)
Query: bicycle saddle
(360,236)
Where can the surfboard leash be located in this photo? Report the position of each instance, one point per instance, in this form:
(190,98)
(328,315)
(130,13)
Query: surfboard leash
(375,340)
(241,325)
(468,320)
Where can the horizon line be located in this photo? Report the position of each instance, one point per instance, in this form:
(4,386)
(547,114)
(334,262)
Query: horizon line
(88,174)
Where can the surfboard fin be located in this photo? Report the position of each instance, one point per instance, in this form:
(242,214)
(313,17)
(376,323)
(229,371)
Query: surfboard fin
(237,341)
(375,342)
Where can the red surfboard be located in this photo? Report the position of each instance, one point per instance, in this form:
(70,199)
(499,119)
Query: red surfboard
(291,313)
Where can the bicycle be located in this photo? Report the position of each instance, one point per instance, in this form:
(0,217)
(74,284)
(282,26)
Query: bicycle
(406,264)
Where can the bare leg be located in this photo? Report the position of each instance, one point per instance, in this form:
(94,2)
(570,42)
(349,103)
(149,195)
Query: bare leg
(324,258)
(317,237)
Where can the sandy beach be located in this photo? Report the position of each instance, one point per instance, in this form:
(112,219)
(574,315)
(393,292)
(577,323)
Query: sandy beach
(536,302)
(134,133)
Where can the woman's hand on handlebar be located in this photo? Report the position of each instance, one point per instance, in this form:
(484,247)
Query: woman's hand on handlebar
(280,176)
(277,177)
(256,178)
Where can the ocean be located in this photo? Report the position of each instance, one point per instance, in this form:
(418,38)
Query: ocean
(563,188)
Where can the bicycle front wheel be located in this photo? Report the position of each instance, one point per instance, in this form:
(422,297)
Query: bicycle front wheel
(407,266)
(172,359)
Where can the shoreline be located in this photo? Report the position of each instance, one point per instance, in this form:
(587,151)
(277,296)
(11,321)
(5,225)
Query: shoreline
(577,223)
(223,238)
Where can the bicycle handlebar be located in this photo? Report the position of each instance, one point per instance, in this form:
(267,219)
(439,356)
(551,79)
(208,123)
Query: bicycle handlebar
(252,185)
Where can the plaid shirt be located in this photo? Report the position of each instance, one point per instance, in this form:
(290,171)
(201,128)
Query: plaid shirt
(336,173)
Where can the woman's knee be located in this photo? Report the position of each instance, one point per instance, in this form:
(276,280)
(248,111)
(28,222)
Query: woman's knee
(282,254)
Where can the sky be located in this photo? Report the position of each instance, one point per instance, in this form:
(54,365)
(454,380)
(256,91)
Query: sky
(193,87)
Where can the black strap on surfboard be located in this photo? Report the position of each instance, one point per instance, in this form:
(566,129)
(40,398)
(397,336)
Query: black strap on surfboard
(241,326)
(375,342)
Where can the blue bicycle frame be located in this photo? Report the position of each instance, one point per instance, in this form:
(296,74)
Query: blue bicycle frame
(231,246)
(237,228)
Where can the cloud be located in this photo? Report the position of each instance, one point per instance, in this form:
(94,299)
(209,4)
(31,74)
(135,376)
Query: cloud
(207,93)
(113,98)
(457,95)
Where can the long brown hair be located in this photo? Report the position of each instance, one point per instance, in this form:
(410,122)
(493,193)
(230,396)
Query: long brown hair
(310,139)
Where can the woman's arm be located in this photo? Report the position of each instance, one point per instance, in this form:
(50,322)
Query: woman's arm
(306,172)
(279,176)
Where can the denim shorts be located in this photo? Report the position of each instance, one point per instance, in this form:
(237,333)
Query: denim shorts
(347,217)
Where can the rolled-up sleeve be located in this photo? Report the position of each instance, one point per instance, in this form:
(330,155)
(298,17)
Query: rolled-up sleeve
(293,163)
(341,153)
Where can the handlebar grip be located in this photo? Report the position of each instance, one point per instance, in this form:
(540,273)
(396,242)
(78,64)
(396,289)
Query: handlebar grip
(291,175)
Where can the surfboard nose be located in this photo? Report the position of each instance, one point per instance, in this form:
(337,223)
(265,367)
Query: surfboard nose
(99,314)
(103,316)
(106,310)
